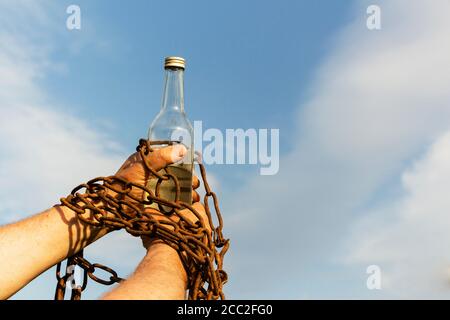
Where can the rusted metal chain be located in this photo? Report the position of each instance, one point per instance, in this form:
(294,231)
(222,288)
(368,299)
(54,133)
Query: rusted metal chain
(109,202)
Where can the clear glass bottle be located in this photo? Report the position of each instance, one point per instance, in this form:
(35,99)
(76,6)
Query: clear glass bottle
(172,124)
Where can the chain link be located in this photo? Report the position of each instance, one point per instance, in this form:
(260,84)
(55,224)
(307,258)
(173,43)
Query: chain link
(201,251)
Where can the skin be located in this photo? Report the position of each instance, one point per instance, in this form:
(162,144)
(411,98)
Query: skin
(33,245)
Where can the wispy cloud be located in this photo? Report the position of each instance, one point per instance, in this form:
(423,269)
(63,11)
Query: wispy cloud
(376,102)
(43,146)
(408,237)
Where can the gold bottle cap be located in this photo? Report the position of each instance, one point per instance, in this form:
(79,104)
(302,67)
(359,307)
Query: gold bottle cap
(176,62)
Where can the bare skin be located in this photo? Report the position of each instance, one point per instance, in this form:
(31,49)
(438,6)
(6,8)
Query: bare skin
(33,245)
(160,275)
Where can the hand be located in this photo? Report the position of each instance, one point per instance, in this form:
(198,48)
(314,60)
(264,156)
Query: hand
(134,169)
(161,274)
(191,217)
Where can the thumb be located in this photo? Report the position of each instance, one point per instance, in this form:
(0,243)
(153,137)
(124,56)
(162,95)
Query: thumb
(161,158)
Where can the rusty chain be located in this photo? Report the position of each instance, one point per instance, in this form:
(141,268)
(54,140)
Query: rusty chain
(109,202)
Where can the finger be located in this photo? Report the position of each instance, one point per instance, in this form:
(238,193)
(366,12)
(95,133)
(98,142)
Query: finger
(195,196)
(161,158)
(195,182)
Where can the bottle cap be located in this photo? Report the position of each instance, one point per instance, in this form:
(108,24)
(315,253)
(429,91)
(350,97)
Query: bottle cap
(176,62)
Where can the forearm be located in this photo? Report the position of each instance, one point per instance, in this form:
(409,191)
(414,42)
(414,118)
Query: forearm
(160,276)
(31,246)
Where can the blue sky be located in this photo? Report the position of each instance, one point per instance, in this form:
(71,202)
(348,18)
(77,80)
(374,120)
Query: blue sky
(246,68)
(363,118)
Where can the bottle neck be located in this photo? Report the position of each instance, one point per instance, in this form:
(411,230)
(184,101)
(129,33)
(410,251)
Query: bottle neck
(173,96)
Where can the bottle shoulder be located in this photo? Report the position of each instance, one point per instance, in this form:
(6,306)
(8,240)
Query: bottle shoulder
(171,119)
(170,126)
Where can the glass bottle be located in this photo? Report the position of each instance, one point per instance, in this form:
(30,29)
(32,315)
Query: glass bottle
(172,126)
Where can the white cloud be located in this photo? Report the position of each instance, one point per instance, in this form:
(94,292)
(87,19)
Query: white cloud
(43,146)
(410,236)
(376,102)
(48,151)
(45,151)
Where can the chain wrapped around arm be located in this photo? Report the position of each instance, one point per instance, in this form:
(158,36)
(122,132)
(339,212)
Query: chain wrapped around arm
(201,251)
